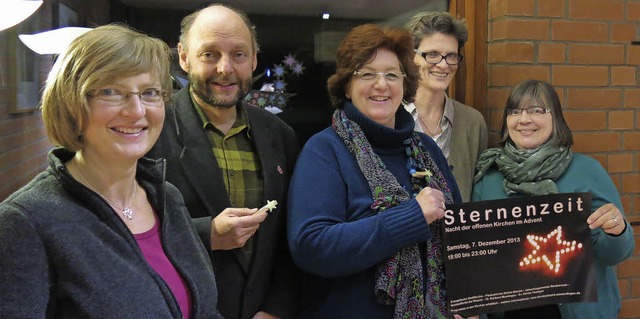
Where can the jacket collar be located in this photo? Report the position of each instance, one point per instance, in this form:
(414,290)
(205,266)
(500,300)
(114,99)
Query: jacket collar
(149,173)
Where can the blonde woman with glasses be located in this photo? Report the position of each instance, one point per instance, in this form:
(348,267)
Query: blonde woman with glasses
(100,234)
(459,130)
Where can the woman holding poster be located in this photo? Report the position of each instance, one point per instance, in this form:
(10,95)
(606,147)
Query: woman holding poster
(535,158)
(368,194)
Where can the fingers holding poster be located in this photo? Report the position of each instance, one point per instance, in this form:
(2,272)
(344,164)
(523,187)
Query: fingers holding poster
(517,253)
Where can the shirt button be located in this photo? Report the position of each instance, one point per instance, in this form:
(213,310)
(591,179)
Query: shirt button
(232,173)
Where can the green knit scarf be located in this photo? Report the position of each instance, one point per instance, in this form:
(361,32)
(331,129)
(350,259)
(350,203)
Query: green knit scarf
(529,172)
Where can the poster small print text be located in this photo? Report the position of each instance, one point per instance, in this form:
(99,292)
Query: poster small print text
(517,253)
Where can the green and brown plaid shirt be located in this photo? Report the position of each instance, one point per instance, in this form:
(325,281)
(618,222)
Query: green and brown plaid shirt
(238,162)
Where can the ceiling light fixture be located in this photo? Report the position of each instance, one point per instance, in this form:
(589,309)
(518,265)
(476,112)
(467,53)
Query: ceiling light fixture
(326,15)
(16,11)
(52,41)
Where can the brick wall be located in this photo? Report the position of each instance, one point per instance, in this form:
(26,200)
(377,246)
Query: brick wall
(23,143)
(583,48)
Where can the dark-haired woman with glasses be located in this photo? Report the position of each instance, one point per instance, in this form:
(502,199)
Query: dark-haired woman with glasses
(100,234)
(459,130)
(535,158)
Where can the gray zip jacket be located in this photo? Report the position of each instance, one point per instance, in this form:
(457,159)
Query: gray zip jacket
(64,253)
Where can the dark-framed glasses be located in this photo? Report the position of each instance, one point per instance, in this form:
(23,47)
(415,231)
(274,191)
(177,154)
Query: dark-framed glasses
(435,57)
(373,76)
(532,111)
(150,97)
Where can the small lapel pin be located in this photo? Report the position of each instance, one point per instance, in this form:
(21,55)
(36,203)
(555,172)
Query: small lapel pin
(280,170)
(426,174)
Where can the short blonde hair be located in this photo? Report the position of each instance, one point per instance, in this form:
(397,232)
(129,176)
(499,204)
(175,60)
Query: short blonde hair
(94,59)
(431,22)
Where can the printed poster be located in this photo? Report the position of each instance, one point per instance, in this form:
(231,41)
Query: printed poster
(518,253)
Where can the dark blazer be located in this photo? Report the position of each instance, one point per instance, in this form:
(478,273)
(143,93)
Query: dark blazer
(192,168)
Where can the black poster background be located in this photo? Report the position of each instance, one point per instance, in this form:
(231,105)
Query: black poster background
(486,277)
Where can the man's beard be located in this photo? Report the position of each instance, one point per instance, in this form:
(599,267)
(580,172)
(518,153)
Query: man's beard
(204,92)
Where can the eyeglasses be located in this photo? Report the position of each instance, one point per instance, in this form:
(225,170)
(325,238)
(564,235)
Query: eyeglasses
(373,76)
(150,97)
(435,57)
(532,110)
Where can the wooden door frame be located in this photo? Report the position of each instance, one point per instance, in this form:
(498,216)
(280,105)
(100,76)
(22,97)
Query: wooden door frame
(470,84)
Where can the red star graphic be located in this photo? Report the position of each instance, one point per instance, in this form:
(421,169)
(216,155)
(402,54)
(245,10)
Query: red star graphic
(547,252)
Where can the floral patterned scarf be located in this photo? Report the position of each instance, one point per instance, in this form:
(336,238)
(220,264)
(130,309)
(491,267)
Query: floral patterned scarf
(400,280)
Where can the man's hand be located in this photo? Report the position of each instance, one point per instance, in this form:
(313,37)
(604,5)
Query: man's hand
(234,226)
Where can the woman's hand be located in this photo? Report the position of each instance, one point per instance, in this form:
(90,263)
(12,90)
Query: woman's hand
(431,202)
(461,317)
(609,218)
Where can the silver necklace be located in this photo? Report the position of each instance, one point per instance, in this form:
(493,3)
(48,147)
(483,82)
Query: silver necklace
(432,134)
(126,212)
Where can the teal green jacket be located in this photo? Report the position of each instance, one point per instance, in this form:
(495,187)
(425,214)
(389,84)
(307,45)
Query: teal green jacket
(584,174)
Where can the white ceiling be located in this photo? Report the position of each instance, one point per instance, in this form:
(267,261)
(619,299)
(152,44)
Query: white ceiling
(339,9)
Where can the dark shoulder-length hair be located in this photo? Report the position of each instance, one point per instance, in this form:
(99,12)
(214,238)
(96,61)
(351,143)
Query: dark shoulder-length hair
(359,47)
(542,93)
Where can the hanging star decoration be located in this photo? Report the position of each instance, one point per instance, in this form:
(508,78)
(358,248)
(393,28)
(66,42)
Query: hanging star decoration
(279,97)
(549,252)
(280,85)
(279,71)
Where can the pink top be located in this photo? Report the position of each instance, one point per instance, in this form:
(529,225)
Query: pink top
(153,252)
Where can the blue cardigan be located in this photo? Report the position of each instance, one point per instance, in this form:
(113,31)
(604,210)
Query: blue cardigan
(584,174)
(334,235)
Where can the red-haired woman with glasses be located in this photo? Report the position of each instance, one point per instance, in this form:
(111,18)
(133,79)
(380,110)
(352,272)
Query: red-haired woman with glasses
(368,193)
